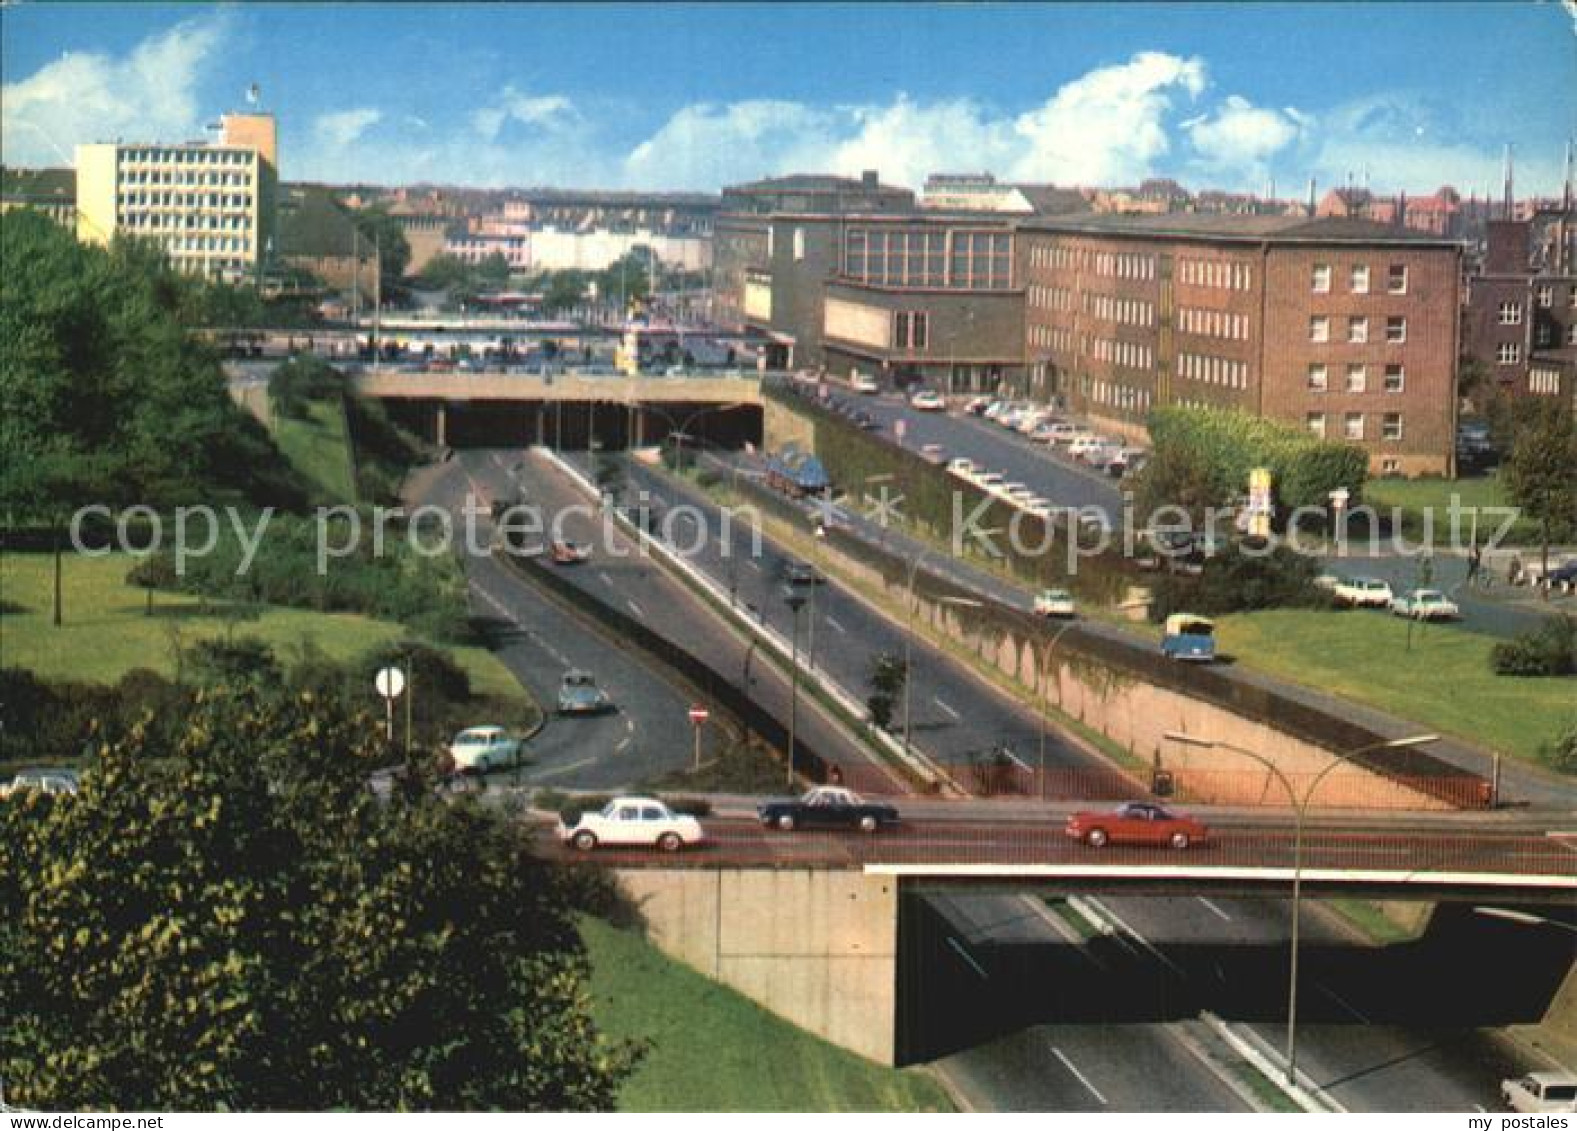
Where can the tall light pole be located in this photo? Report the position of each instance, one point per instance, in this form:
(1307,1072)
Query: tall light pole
(795,602)
(1043,671)
(1300,807)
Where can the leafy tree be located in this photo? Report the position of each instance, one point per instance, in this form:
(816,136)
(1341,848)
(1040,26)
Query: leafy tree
(886,680)
(388,237)
(227,918)
(565,289)
(493,271)
(295,382)
(1540,475)
(444,271)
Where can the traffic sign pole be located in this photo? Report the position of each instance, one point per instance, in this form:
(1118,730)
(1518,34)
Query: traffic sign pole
(698,717)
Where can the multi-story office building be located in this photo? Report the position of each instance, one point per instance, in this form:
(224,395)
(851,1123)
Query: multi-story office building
(209,205)
(1344,327)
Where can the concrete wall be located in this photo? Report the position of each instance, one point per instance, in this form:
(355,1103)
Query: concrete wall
(818,947)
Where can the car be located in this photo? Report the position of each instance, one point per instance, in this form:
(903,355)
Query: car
(966,468)
(927,400)
(990,480)
(1039,507)
(801,573)
(632,822)
(1054,603)
(1541,1092)
(1189,637)
(1030,421)
(1042,432)
(1016,490)
(1060,432)
(569,553)
(1103,456)
(1081,447)
(865,421)
(1077,436)
(580,695)
(977,406)
(1364,593)
(42,780)
(827,807)
(1425,604)
(476,750)
(1136,822)
(934,453)
(1328,582)
(864,383)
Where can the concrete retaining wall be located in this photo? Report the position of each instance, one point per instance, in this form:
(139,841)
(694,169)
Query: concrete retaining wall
(817,947)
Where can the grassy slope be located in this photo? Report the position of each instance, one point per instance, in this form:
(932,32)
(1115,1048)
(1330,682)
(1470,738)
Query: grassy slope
(713,1050)
(1413,495)
(319,449)
(1444,683)
(106,632)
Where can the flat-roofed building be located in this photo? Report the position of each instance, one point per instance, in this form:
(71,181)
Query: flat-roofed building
(1340,326)
(50,191)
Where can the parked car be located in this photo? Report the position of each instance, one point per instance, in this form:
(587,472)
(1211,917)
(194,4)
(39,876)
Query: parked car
(580,695)
(994,409)
(927,400)
(1016,490)
(633,822)
(1364,593)
(1425,604)
(1136,822)
(1189,637)
(477,750)
(934,453)
(800,573)
(1054,603)
(963,467)
(42,780)
(1541,1092)
(1061,432)
(569,553)
(827,807)
(1081,447)
(977,406)
(864,383)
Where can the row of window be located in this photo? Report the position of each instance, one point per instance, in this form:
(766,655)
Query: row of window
(1353,425)
(1214,273)
(182,221)
(185,199)
(1116,394)
(1358,330)
(1393,380)
(911,330)
(1129,311)
(1058,338)
(1111,264)
(1546,382)
(1546,296)
(188,155)
(1224,371)
(1049,298)
(959,259)
(1212,323)
(1130,355)
(1358,279)
(208,243)
(183,177)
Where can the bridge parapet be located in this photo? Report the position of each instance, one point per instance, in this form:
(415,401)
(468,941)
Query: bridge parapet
(500,386)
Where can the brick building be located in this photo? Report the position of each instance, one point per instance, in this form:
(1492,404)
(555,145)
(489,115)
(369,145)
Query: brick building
(1520,313)
(1341,326)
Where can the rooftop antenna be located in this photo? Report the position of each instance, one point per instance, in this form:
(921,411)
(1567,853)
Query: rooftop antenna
(1508,201)
(254,96)
(1566,192)
(1311,196)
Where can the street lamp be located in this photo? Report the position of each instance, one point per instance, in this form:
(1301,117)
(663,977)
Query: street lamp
(795,602)
(1045,696)
(1300,806)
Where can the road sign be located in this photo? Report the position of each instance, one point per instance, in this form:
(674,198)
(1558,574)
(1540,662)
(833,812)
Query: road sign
(900,426)
(390,682)
(699,715)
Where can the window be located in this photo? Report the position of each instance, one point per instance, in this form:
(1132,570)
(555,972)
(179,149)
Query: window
(1390,465)
(1319,329)
(1357,330)
(1320,283)
(1352,426)
(910,330)
(1359,280)
(1546,296)
(799,244)
(1395,378)
(1396,279)
(1357,378)
(1396,330)
(1508,353)
(1318,378)
(1316,423)
(1391,426)
(1571,334)
(1511,314)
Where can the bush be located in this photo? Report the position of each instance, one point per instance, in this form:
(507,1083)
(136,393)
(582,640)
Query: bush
(1549,650)
(296,382)
(1233,581)
(1561,753)
(230,662)
(433,671)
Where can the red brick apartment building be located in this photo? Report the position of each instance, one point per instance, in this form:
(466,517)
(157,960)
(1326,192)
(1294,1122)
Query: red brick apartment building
(1520,312)
(1344,327)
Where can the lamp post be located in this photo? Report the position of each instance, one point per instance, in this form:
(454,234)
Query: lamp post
(908,646)
(1045,696)
(1300,807)
(795,602)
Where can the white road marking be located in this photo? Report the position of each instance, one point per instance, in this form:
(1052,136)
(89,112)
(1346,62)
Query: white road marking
(946,708)
(622,746)
(966,956)
(564,769)
(753,564)
(834,624)
(1079,1076)
(1222,914)
(606,580)
(636,609)
(498,606)
(1343,1002)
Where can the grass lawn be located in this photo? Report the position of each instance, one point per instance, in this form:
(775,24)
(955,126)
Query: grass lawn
(1414,495)
(106,632)
(1445,682)
(711,1049)
(319,449)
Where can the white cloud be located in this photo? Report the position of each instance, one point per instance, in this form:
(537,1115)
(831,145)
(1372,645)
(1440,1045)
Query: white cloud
(705,144)
(343,127)
(906,141)
(547,111)
(86,96)
(1239,140)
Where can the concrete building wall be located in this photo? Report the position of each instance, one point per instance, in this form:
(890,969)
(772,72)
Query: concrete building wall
(818,947)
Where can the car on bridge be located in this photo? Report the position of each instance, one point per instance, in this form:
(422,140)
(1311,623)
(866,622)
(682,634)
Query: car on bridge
(569,553)
(632,822)
(580,695)
(827,807)
(801,573)
(1136,822)
(1054,603)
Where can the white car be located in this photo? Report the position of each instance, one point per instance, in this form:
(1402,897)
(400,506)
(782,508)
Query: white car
(1054,603)
(927,400)
(480,749)
(990,480)
(1081,447)
(632,821)
(42,781)
(1425,604)
(935,453)
(1062,432)
(1364,593)
(964,468)
(1017,490)
(864,383)
(1541,1092)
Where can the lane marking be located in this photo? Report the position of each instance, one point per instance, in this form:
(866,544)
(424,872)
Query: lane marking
(946,708)
(831,620)
(1222,914)
(966,956)
(1343,1002)
(1079,1076)
(606,580)
(623,745)
(564,769)
(636,609)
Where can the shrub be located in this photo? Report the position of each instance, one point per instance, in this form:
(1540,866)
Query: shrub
(1233,581)
(229,662)
(1549,650)
(1561,752)
(302,379)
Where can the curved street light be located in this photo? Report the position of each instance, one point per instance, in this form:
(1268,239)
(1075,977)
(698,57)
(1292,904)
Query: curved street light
(1300,806)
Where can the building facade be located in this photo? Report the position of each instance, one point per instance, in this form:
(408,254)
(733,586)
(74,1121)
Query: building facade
(50,191)
(1338,326)
(1520,314)
(209,205)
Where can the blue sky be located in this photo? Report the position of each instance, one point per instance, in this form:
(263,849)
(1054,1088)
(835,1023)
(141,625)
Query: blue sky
(695,96)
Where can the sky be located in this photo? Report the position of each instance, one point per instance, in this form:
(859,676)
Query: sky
(1405,95)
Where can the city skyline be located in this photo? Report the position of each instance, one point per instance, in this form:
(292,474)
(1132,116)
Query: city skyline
(497,96)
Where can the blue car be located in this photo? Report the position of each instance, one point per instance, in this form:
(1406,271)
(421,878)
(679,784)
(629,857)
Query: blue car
(1189,638)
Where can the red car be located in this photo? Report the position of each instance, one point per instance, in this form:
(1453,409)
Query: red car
(1136,822)
(569,553)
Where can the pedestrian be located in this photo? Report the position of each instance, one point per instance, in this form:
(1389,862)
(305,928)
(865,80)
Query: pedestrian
(1475,562)
(1514,570)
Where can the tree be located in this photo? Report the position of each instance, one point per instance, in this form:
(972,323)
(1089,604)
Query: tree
(1540,475)
(388,238)
(565,289)
(227,918)
(886,680)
